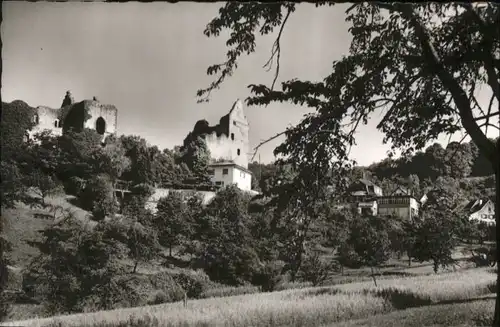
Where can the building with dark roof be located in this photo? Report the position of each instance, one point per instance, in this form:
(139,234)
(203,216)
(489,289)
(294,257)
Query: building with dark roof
(481,210)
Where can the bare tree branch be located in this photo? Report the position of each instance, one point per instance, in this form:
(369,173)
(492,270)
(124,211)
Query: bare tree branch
(267,141)
(489,114)
(459,96)
(276,50)
(487,55)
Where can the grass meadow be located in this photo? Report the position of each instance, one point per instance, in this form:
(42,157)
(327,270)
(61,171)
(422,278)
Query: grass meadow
(461,298)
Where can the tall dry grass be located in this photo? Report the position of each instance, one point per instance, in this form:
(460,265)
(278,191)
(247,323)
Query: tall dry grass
(298,307)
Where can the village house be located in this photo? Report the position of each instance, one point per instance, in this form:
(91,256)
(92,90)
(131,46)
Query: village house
(365,197)
(362,196)
(481,210)
(400,203)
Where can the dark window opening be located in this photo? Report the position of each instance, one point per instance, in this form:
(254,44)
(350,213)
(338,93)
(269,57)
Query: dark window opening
(100,125)
(225,171)
(238,151)
(211,172)
(56,123)
(219,183)
(232,136)
(59,124)
(234,123)
(36,119)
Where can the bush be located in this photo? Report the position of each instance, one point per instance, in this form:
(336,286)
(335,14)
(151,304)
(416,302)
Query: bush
(315,270)
(269,276)
(165,282)
(158,297)
(75,186)
(195,284)
(98,197)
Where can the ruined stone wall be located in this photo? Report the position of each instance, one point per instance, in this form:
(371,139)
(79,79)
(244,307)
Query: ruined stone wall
(88,114)
(235,146)
(46,119)
(97,111)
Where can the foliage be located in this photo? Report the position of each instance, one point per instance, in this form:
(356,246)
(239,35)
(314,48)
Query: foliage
(369,238)
(113,161)
(227,252)
(45,185)
(80,154)
(420,63)
(141,160)
(196,155)
(75,264)
(388,305)
(142,192)
(195,284)
(172,221)
(441,225)
(142,243)
(98,197)
(269,275)
(315,270)
(12,187)
(5,247)
(17,119)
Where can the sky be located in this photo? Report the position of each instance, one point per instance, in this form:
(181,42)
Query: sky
(149,59)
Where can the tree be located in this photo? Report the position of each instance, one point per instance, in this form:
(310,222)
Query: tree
(142,243)
(76,263)
(459,160)
(98,197)
(141,232)
(421,62)
(196,156)
(45,185)
(141,160)
(369,240)
(17,119)
(227,250)
(113,161)
(316,270)
(173,227)
(12,187)
(80,154)
(442,226)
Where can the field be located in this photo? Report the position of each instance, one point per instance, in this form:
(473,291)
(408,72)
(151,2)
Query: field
(405,296)
(448,299)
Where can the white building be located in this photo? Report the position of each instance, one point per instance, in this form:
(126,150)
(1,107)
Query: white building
(227,173)
(481,210)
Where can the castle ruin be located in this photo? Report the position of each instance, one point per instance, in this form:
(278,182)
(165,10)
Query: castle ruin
(89,114)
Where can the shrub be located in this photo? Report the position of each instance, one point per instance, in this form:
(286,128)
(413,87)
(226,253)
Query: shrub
(158,297)
(316,270)
(75,186)
(165,282)
(98,197)
(269,276)
(195,284)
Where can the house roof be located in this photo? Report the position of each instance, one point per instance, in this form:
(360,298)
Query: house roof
(362,184)
(229,164)
(476,205)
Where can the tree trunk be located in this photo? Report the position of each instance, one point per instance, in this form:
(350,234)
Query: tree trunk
(373,276)
(496,317)
(135,267)
(170,251)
